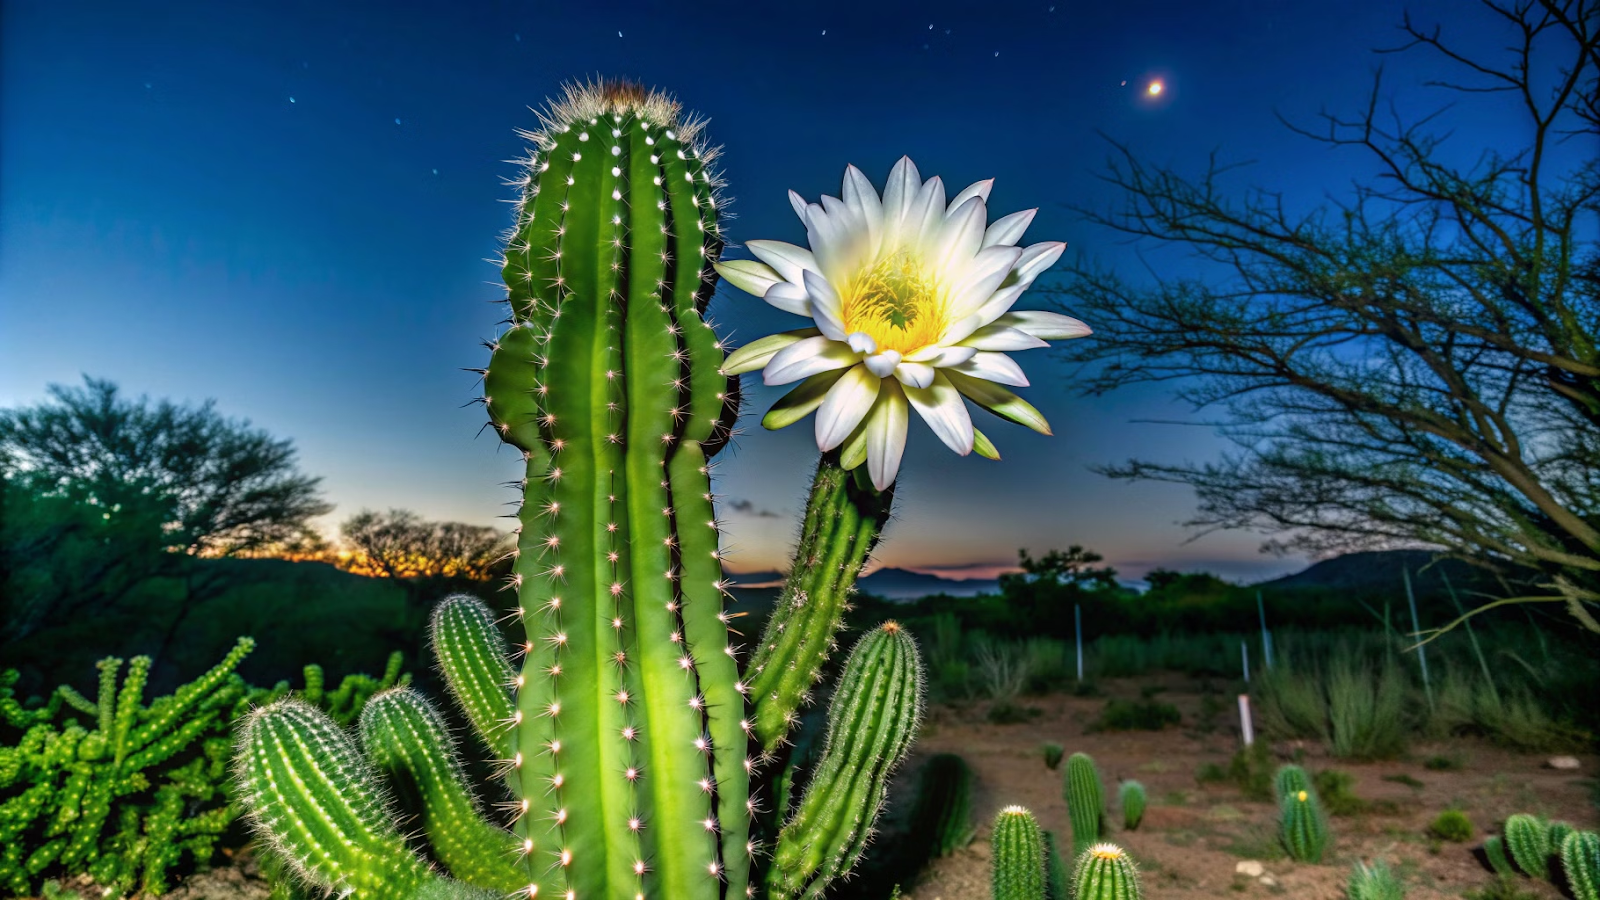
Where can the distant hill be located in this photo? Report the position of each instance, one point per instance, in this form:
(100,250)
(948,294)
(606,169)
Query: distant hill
(894,584)
(1377,573)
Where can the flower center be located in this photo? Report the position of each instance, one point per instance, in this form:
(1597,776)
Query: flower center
(897,302)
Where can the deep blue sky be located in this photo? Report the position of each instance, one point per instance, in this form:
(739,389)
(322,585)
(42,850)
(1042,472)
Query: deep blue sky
(287,207)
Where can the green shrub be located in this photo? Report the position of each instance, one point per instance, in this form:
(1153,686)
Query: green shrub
(1451,825)
(1136,715)
(1451,763)
(1374,882)
(1366,708)
(1251,769)
(1337,790)
(1053,753)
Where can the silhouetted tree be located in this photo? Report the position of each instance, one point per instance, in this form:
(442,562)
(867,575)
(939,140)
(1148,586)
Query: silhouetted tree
(104,493)
(424,558)
(1416,364)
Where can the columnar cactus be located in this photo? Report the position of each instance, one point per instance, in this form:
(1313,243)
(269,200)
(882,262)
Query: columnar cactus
(1017,848)
(1494,850)
(944,803)
(1303,827)
(1057,878)
(1086,806)
(622,733)
(1528,839)
(1131,796)
(1580,859)
(1106,872)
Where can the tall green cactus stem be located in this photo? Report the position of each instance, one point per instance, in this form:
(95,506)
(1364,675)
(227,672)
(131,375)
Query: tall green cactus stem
(1303,827)
(1580,859)
(944,803)
(472,656)
(844,517)
(1057,878)
(1528,839)
(1086,806)
(871,723)
(627,745)
(1131,797)
(1105,872)
(1018,868)
(308,787)
(405,736)
(1494,850)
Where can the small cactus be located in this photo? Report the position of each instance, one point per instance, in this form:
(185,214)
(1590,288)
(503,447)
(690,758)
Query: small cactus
(1528,839)
(1086,807)
(1580,859)
(1494,850)
(1018,871)
(1057,880)
(1106,872)
(1052,755)
(1132,799)
(1303,827)
(944,803)
(1289,781)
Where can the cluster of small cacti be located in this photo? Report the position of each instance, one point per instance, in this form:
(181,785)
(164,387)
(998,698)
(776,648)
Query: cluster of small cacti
(121,790)
(943,811)
(1302,825)
(1374,882)
(1131,797)
(1534,847)
(624,737)
(1086,806)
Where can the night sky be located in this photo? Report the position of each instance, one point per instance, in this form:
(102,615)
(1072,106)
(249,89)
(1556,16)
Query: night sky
(288,207)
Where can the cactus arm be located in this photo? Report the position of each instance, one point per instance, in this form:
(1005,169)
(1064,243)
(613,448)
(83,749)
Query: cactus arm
(1018,869)
(471,654)
(129,701)
(534,751)
(106,699)
(871,723)
(1580,859)
(403,735)
(1528,839)
(843,520)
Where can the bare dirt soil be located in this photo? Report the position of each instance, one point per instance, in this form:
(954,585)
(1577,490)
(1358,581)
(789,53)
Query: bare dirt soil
(1193,836)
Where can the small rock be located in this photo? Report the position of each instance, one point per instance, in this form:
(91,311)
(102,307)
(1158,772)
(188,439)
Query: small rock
(1269,881)
(1568,763)
(1249,868)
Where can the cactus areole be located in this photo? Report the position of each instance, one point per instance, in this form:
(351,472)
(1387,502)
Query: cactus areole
(621,724)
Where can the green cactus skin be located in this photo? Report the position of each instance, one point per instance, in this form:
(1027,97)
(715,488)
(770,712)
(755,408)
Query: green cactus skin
(1289,781)
(1105,872)
(1017,870)
(871,723)
(1086,806)
(1131,797)
(1580,859)
(844,518)
(1494,849)
(404,735)
(1053,754)
(942,816)
(1303,827)
(1528,839)
(1057,880)
(472,657)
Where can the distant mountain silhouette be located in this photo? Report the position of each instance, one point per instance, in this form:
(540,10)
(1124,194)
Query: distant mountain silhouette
(1377,572)
(893,584)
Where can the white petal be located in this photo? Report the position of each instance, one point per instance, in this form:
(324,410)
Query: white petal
(800,402)
(756,354)
(886,434)
(787,259)
(940,356)
(999,401)
(979,189)
(882,364)
(992,309)
(848,402)
(1036,258)
(926,215)
(1007,230)
(799,204)
(941,407)
(748,275)
(996,367)
(837,239)
(914,374)
(1047,325)
(826,307)
(1002,338)
(862,199)
(958,240)
(861,342)
(988,271)
(805,358)
(789,298)
(898,194)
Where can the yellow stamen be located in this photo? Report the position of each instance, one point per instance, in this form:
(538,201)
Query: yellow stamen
(897,301)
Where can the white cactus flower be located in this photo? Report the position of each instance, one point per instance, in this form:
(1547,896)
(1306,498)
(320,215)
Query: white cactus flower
(912,302)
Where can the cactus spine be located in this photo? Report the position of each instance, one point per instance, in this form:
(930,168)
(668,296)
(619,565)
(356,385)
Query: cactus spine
(1106,872)
(1528,839)
(871,722)
(1131,796)
(622,732)
(1494,849)
(1580,859)
(1086,807)
(1302,826)
(1018,871)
